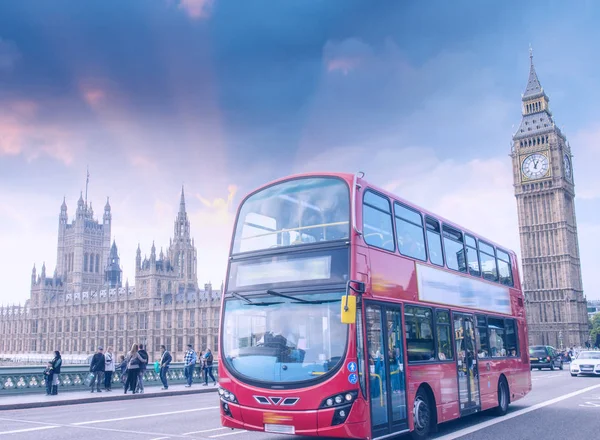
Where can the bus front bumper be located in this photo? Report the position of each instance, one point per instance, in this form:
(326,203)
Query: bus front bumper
(322,422)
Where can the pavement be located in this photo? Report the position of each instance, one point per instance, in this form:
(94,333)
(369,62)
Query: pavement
(558,407)
(30,400)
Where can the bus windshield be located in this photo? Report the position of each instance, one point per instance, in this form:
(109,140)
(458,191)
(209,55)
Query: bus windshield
(294,212)
(278,339)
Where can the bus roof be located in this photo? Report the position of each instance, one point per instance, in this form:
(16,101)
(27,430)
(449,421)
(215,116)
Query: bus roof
(349,178)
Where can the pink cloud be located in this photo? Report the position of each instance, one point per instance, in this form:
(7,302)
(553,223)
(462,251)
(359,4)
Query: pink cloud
(196,9)
(94,91)
(22,134)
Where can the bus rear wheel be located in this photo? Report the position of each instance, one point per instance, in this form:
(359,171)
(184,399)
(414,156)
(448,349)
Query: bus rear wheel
(503,397)
(422,415)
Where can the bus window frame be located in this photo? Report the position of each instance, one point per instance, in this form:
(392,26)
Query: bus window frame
(433,219)
(510,268)
(252,253)
(450,325)
(516,331)
(423,228)
(445,226)
(497,280)
(476,249)
(390,213)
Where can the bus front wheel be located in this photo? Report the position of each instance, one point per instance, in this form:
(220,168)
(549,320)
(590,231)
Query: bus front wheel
(422,415)
(503,397)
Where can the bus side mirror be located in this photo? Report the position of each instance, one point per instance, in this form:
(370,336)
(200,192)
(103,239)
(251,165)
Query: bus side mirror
(349,310)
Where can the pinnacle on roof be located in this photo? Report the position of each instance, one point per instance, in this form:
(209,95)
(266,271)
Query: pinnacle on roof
(534,87)
(63,207)
(80,202)
(182,201)
(107,206)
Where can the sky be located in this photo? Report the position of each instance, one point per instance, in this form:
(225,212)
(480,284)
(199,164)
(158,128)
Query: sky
(223,96)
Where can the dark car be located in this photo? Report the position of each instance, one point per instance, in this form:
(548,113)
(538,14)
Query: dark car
(544,356)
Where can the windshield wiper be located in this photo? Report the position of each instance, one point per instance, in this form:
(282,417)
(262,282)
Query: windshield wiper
(298,300)
(252,303)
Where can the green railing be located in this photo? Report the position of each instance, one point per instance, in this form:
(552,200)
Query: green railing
(31,379)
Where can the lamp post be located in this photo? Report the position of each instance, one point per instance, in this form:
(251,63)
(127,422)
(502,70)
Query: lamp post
(560,339)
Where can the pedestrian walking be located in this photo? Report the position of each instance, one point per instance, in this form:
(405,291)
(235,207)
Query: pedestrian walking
(97,369)
(165,362)
(144,355)
(109,369)
(190,363)
(208,364)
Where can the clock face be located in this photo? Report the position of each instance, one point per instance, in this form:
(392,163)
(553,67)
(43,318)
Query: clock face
(568,169)
(535,166)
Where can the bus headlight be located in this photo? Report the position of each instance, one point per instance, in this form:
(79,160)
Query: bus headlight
(227,396)
(339,399)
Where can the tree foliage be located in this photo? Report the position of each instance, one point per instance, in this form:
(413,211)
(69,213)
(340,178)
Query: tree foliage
(595,329)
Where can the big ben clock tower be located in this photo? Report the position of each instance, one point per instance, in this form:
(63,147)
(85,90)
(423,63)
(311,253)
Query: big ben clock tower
(545,193)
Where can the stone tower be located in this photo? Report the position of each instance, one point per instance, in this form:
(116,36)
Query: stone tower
(545,193)
(83,247)
(174,273)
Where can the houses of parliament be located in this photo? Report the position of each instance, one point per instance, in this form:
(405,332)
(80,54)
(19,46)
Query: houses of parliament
(85,304)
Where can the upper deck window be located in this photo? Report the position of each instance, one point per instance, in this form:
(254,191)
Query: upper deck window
(377,221)
(454,248)
(504,268)
(434,241)
(488,261)
(409,232)
(308,210)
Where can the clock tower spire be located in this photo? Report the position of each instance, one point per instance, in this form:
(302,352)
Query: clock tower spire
(545,193)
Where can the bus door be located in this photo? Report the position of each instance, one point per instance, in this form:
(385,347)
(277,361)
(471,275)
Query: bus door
(385,355)
(466,355)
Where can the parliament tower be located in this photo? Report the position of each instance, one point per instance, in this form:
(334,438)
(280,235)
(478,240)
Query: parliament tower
(545,193)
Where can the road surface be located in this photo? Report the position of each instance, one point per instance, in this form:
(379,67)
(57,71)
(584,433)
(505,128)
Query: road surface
(557,407)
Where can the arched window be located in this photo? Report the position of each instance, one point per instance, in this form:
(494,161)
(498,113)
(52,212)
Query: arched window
(91,262)
(97,263)
(85,262)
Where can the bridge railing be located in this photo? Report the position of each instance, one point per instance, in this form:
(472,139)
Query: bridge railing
(31,379)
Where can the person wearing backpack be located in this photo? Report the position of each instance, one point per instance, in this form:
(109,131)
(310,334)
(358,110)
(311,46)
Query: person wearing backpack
(208,362)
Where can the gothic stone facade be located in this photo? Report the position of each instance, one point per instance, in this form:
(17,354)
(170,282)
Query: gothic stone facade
(166,306)
(545,193)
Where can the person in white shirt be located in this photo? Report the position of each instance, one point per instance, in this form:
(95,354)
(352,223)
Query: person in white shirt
(109,369)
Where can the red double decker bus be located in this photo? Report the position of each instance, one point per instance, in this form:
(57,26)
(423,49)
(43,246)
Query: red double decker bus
(350,313)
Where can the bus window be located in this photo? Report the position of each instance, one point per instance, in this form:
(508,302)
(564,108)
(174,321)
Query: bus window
(409,232)
(419,334)
(488,261)
(293,212)
(504,269)
(377,221)
(472,257)
(454,249)
(497,337)
(481,338)
(434,241)
(512,348)
(444,340)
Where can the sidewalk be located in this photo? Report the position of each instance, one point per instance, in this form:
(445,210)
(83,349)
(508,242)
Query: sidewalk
(24,401)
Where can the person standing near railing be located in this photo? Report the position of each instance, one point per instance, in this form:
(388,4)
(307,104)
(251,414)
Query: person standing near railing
(207,361)
(56,364)
(97,369)
(133,360)
(144,355)
(190,364)
(165,362)
(109,369)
